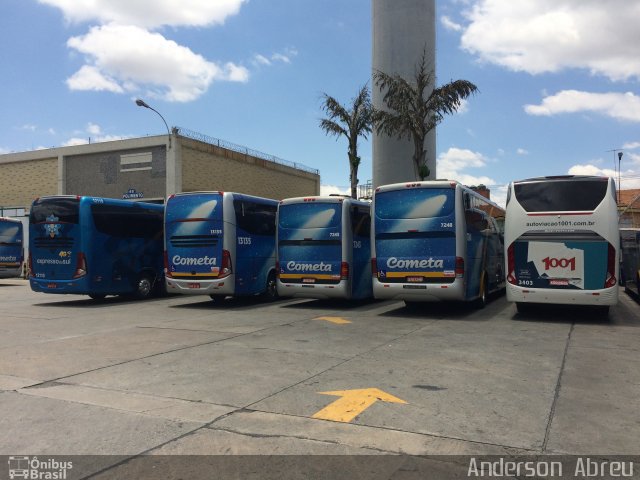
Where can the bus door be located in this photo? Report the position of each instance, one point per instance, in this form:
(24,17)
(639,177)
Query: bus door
(361,261)
(255,247)
(55,241)
(310,243)
(416,236)
(194,238)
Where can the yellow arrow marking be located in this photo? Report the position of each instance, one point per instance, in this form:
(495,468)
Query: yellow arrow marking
(336,320)
(352,403)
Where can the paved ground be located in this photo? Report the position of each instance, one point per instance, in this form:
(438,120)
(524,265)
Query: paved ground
(180,375)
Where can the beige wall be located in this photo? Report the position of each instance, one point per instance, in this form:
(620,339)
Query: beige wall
(23,182)
(207,167)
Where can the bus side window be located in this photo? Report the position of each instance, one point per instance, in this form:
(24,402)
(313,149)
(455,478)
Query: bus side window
(360,222)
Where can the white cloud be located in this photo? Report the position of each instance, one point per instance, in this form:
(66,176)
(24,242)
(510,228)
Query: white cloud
(334,190)
(551,35)
(148,13)
(449,24)
(126,58)
(451,164)
(93,129)
(285,56)
(620,106)
(522,151)
(631,145)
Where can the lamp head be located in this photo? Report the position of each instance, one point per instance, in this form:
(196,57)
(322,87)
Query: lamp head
(619,156)
(141,103)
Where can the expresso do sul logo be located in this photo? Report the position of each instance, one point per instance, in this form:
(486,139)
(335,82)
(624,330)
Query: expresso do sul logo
(192,261)
(393,262)
(308,267)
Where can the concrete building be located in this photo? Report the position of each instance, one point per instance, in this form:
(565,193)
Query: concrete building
(402,30)
(148,168)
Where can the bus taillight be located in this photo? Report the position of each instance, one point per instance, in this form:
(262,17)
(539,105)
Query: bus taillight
(167,272)
(511,265)
(374,267)
(81,266)
(611,268)
(226,269)
(459,267)
(344,271)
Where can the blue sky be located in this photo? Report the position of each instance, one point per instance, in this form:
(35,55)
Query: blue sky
(558,79)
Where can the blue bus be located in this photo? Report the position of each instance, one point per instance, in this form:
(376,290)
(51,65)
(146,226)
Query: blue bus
(324,248)
(95,246)
(436,240)
(220,244)
(11,247)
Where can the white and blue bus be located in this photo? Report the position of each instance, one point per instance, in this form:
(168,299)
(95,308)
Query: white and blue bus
(630,260)
(562,241)
(324,248)
(95,246)
(436,241)
(11,247)
(220,244)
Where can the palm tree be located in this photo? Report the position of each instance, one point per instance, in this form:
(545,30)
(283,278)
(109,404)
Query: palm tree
(352,122)
(414,109)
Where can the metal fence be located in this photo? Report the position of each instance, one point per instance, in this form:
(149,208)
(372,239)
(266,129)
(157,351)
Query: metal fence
(240,149)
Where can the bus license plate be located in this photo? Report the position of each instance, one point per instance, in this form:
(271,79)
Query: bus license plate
(52,285)
(415,279)
(308,280)
(194,285)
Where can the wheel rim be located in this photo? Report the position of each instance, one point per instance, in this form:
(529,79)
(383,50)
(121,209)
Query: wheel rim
(144,287)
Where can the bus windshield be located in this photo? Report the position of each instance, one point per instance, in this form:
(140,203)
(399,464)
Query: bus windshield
(10,233)
(58,210)
(561,195)
(415,203)
(305,216)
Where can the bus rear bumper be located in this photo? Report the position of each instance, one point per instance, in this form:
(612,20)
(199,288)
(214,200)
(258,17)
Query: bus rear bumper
(75,287)
(433,292)
(607,296)
(224,286)
(320,291)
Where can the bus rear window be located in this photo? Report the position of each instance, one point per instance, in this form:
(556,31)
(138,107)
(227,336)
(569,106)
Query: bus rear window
(310,215)
(63,210)
(415,203)
(561,195)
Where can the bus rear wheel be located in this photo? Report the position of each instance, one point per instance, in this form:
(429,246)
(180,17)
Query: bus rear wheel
(144,287)
(97,296)
(481,301)
(217,297)
(271,291)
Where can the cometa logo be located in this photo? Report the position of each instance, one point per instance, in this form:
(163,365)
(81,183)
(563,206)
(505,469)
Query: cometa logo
(393,262)
(308,267)
(186,261)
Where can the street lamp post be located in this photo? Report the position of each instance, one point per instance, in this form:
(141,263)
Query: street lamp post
(142,103)
(619,186)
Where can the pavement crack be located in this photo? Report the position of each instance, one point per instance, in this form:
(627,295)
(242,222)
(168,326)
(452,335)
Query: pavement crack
(556,395)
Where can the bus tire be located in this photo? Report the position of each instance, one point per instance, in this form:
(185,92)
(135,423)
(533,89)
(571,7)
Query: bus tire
(481,301)
(523,307)
(144,286)
(271,291)
(97,296)
(217,297)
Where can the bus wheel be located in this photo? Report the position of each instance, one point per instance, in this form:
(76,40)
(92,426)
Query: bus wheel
(217,298)
(523,307)
(271,290)
(481,301)
(97,296)
(144,287)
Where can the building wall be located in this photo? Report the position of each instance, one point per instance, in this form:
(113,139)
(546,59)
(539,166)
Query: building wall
(23,182)
(112,174)
(207,167)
